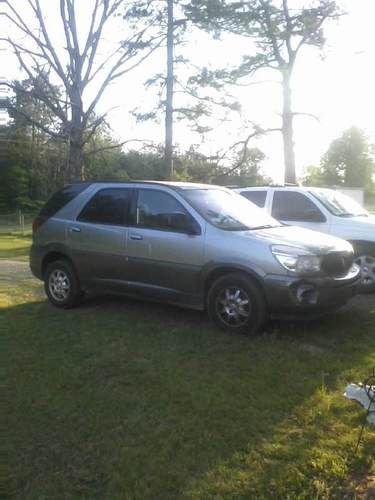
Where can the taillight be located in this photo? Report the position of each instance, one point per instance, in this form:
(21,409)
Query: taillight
(37,222)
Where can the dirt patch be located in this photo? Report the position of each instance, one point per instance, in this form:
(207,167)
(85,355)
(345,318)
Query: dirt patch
(14,270)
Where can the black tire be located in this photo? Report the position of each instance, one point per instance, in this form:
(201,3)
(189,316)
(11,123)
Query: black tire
(365,258)
(71,293)
(231,313)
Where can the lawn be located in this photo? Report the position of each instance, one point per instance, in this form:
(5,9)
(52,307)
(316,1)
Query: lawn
(122,399)
(14,247)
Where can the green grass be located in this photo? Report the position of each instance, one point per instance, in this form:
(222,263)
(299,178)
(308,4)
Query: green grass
(120,399)
(14,247)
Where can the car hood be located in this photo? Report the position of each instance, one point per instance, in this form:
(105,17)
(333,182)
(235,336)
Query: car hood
(355,228)
(361,219)
(312,241)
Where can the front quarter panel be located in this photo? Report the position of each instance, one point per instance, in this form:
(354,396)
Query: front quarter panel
(240,250)
(354,228)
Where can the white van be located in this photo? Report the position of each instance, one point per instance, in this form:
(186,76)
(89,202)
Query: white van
(324,210)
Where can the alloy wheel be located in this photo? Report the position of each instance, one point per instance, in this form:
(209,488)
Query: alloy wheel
(59,285)
(233,306)
(367,266)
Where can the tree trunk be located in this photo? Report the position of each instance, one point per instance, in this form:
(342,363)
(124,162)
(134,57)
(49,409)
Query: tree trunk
(169,100)
(287,131)
(76,170)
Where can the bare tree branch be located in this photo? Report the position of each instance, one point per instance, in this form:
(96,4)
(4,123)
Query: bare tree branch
(119,145)
(76,67)
(244,143)
(310,115)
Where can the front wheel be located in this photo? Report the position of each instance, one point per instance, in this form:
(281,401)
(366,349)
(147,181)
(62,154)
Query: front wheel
(365,259)
(61,284)
(236,304)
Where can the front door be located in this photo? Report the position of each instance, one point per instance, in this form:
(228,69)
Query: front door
(165,245)
(297,209)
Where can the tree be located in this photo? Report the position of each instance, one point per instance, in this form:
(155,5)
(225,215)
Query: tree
(279,33)
(313,176)
(169,91)
(348,162)
(246,170)
(31,162)
(83,67)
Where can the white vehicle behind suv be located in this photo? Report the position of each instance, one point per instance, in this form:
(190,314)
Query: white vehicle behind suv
(324,210)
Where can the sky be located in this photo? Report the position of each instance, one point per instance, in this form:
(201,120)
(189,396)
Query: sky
(336,85)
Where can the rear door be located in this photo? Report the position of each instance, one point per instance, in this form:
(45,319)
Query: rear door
(165,244)
(98,236)
(297,209)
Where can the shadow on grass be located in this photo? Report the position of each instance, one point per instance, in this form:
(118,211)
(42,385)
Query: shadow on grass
(123,399)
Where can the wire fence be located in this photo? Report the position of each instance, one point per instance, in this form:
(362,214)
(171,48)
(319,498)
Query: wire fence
(18,223)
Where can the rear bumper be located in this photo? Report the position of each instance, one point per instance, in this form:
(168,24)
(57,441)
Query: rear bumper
(36,259)
(307,298)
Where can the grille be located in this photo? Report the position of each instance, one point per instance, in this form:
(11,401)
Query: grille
(337,263)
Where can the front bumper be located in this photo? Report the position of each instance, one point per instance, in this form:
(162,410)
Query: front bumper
(307,298)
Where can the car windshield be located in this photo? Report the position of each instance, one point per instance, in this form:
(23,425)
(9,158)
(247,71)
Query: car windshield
(339,204)
(227,210)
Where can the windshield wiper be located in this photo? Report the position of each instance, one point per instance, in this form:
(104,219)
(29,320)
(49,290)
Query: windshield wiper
(266,226)
(348,214)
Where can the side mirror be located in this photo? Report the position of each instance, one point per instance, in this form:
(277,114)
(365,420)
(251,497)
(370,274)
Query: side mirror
(182,222)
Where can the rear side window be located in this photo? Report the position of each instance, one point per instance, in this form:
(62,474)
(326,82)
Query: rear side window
(61,198)
(257,197)
(107,206)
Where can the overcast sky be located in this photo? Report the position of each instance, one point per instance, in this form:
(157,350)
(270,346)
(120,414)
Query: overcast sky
(338,88)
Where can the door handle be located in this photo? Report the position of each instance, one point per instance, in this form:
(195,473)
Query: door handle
(73,229)
(136,237)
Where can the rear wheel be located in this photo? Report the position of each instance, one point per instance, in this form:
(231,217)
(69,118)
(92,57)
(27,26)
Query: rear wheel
(365,259)
(236,304)
(61,284)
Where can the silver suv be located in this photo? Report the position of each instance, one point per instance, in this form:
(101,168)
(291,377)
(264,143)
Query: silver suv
(194,245)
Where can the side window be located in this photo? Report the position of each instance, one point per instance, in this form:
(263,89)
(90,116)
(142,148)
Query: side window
(293,206)
(257,197)
(159,210)
(107,206)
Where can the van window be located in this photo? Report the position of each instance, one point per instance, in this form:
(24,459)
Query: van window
(257,197)
(294,206)
(107,206)
(159,210)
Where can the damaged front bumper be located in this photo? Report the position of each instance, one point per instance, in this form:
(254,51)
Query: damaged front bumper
(306,298)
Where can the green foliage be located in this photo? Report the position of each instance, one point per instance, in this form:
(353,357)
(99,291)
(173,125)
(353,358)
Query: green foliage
(348,162)
(248,172)
(189,166)
(313,176)
(266,22)
(31,162)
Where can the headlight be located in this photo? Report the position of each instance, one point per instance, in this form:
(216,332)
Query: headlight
(296,259)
